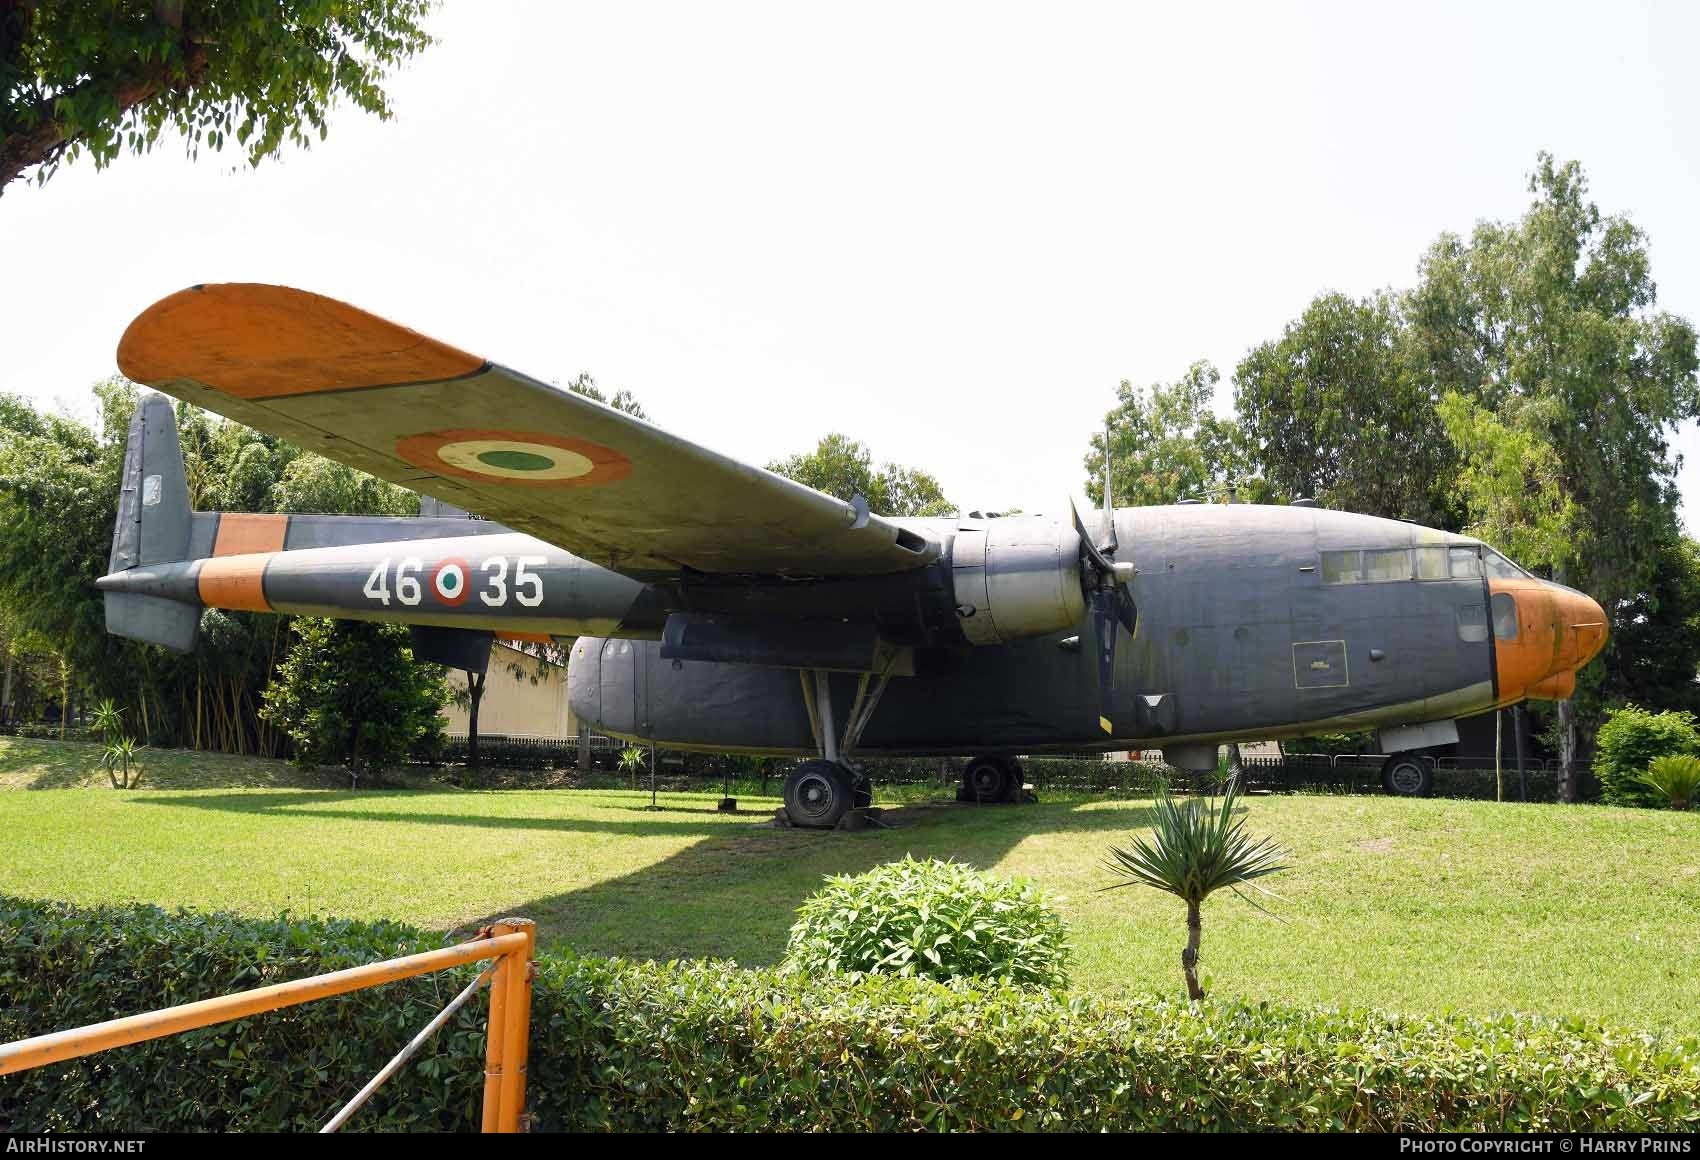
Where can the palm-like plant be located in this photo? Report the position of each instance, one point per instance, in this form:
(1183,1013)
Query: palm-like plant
(1196,847)
(120,755)
(631,760)
(109,719)
(1676,777)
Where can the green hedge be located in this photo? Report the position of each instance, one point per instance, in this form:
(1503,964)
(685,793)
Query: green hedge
(627,1046)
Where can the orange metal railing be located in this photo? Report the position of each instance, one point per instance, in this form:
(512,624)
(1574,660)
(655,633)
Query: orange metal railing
(510,942)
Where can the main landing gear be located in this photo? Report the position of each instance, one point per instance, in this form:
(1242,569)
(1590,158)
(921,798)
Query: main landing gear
(991,779)
(820,792)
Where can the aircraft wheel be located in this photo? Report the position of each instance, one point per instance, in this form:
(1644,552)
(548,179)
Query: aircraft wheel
(990,779)
(818,793)
(1407,775)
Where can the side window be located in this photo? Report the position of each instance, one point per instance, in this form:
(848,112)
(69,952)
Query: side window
(1431,563)
(1342,567)
(1464,562)
(1504,616)
(1387,564)
(1472,623)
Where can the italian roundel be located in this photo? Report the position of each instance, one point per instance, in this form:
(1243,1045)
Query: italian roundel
(526,458)
(449,581)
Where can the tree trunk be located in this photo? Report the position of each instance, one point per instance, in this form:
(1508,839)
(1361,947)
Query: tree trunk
(1569,788)
(1189,957)
(474,690)
(64,696)
(47,135)
(6,695)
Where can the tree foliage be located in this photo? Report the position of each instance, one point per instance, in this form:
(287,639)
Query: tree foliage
(349,693)
(111,77)
(1563,385)
(620,400)
(1332,411)
(1167,444)
(844,467)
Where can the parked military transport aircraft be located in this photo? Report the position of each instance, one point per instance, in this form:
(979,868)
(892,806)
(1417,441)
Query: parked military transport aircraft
(716,606)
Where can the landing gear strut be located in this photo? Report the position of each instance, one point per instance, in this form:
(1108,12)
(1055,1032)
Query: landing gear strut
(991,779)
(819,792)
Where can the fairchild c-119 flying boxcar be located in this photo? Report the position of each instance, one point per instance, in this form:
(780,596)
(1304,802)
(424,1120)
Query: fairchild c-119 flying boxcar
(716,606)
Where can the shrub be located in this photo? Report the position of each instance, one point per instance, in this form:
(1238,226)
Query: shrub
(706,1046)
(932,919)
(349,691)
(1676,778)
(1626,745)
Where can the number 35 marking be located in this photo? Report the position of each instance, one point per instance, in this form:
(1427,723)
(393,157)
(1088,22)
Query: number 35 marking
(527,585)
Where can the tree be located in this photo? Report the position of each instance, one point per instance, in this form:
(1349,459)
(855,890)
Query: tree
(1332,411)
(1197,847)
(844,467)
(1166,444)
(622,400)
(1657,635)
(312,483)
(109,78)
(349,692)
(1562,385)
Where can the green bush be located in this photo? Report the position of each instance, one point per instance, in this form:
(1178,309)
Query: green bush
(933,920)
(1626,745)
(709,1047)
(1676,779)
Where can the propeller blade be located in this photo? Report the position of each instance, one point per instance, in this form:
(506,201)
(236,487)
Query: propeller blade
(1101,562)
(1127,613)
(1109,544)
(1104,629)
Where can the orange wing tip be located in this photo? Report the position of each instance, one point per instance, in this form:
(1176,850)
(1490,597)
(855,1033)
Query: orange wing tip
(264,342)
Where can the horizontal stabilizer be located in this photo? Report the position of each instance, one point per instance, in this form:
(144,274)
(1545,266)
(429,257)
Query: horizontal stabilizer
(153,620)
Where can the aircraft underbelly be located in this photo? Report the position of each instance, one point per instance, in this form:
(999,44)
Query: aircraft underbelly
(1271,674)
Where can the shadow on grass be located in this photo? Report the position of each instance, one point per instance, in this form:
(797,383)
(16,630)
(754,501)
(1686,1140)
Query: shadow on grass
(734,894)
(308,806)
(731,894)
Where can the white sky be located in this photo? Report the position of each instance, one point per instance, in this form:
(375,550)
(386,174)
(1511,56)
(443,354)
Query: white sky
(946,230)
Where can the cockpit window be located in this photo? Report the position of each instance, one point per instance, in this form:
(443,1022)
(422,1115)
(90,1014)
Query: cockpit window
(1464,563)
(1499,568)
(1504,616)
(1431,563)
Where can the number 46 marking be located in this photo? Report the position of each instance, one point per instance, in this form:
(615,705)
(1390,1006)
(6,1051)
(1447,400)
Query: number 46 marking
(527,585)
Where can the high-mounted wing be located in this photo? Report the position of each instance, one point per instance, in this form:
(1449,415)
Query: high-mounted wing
(592,480)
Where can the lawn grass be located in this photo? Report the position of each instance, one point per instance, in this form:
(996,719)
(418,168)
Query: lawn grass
(1420,905)
(33,764)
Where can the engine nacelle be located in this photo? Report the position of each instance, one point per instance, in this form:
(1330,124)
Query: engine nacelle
(1016,577)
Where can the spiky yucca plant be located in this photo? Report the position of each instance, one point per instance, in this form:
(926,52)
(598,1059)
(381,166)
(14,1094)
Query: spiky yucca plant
(1677,777)
(1196,848)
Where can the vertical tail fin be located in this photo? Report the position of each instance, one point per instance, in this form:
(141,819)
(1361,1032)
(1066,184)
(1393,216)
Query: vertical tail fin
(154,525)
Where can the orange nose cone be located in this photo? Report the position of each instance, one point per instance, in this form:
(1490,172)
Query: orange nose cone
(1590,629)
(1558,630)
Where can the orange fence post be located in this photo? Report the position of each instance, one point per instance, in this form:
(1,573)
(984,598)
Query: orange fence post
(516,1036)
(493,1059)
